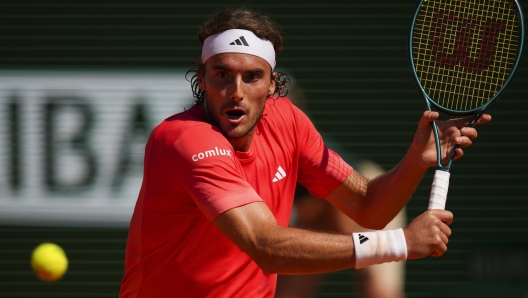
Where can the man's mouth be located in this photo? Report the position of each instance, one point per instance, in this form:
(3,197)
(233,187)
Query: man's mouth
(235,115)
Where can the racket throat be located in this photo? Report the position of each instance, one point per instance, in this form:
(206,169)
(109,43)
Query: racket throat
(443,169)
(439,164)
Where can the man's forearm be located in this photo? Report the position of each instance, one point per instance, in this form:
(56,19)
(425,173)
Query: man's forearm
(296,251)
(278,249)
(373,204)
(387,194)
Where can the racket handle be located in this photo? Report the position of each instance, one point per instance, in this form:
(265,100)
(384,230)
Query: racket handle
(438,197)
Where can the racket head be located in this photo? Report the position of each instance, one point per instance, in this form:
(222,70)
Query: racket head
(463,53)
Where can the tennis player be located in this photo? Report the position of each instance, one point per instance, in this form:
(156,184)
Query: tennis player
(211,219)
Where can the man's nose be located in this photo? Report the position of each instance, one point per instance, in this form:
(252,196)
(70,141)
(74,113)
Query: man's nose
(237,92)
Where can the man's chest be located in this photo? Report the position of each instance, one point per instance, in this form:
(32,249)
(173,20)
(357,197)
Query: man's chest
(271,169)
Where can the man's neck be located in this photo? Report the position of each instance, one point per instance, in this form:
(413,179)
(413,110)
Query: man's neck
(242,144)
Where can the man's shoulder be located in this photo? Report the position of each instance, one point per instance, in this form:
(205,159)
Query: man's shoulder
(194,115)
(283,112)
(191,119)
(281,107)
(188,128)
(187,124)
(281,102)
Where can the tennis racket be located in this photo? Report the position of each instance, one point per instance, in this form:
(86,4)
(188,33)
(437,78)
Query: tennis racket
(463,54)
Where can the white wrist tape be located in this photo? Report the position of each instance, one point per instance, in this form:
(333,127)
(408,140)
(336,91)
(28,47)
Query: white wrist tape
(379,247)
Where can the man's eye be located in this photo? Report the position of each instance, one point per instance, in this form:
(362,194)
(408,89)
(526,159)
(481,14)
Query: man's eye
(253,77)
(222,75)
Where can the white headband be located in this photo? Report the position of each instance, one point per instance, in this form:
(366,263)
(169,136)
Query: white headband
(238,41)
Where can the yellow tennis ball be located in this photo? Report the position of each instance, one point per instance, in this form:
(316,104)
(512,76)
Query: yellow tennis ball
(49,262)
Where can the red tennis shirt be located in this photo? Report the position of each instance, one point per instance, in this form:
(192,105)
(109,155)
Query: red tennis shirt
(192,174)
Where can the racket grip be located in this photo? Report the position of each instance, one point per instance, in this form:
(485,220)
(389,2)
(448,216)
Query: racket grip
(438,197)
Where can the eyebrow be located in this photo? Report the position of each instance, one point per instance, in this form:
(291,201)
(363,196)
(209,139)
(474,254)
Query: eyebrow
(256,70)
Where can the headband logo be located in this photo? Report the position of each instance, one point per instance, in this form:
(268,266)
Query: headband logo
(240,41)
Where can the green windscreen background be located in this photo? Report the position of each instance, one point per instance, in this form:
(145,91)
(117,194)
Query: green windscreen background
(350,63)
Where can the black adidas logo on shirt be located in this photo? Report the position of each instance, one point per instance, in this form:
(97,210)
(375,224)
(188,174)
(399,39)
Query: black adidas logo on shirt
(240,41)
(362,239)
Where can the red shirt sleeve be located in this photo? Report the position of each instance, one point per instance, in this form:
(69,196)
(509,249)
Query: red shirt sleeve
(321,170)
(209,172)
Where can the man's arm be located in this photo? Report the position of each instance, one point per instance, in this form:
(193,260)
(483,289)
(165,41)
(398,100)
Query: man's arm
(375,203)
(277,249)
(253,228)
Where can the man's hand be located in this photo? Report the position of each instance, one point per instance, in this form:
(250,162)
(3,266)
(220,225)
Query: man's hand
(428,234)
(451,132)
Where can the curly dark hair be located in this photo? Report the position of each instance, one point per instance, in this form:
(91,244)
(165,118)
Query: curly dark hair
(239,18)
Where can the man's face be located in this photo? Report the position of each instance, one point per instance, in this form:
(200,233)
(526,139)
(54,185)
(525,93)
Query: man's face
(236,87)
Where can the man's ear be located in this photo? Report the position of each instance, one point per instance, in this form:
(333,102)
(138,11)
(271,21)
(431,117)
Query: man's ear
(271,88)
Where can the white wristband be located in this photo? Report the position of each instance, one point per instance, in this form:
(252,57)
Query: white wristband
(379,247)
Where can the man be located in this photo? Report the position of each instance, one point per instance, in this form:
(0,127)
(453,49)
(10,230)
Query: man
(212,215)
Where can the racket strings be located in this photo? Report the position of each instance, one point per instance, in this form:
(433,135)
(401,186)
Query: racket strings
(464,51)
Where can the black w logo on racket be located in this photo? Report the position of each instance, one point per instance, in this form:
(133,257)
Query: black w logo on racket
(465,29)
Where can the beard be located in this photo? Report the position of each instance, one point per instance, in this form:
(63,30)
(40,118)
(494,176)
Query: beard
(235,131)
